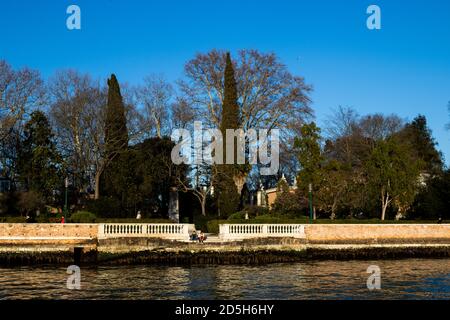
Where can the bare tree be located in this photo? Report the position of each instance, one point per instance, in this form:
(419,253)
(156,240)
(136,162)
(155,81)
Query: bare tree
(343,134)
(343,122)
(182,114)
(155,96)
(76,112)
(200,190)
(379,127)
(21,91)
(268,94)
(353,136)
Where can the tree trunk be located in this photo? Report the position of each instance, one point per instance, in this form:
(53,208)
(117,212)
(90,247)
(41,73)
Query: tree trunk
(333,213)
(98,174)
(383,213)
(203,202)
(384,204)
(239,181)
(97,185)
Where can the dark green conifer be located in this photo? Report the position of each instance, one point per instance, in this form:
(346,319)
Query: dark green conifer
(228,196)
(114,182)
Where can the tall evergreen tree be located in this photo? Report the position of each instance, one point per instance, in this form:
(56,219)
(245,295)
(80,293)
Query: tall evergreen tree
(114,182)
(230,108)
(310,158)
(420,136)
(116,134)
(40,164)
(228,196)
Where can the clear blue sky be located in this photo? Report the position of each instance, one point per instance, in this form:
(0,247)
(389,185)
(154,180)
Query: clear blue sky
(403,68)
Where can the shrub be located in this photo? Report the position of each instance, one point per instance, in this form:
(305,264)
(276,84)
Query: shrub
(201,222)
(3,205)
(213,225)
(269,218)
(30,202)
(8,203)
(255,211)
(105,207)
(290,203)
(237,216)
(185,220)
(13,219)
(83,217)
(251,211)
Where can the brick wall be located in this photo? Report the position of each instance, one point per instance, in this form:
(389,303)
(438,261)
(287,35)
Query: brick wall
(48,230)
(374,232)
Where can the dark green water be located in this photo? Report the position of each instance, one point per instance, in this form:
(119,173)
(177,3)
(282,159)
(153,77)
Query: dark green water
(400,279)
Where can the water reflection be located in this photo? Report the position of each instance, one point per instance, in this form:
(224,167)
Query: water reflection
(401,279)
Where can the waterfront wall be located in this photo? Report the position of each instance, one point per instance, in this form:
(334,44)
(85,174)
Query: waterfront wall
(377,233)
(47,231)
(91,243)
(314,233)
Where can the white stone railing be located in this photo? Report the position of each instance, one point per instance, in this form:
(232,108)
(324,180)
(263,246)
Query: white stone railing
(248,231)
(173,231)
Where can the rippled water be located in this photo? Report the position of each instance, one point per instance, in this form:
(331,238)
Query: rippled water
(400,279)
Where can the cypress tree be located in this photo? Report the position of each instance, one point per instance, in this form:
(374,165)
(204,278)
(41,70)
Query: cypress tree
(230,107)
(114,182)
(228,196)
(116,134)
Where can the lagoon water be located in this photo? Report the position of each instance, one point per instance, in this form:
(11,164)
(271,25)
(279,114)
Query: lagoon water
(400,279)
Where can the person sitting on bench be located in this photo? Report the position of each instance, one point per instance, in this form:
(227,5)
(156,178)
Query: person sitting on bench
(201,237)
(194,236)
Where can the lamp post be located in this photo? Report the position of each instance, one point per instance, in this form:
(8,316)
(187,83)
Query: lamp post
(66,184)
(310,203)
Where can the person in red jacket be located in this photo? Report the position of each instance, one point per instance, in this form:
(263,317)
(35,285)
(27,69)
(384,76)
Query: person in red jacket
(62,219)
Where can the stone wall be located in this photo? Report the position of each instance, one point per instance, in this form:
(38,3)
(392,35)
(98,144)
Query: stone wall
(48,230)
(315,233)
(377,233)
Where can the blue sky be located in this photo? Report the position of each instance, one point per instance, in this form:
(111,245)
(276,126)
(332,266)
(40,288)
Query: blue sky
(403,68)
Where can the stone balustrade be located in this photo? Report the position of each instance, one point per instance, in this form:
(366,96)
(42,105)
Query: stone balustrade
(160,230)
(248,231)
